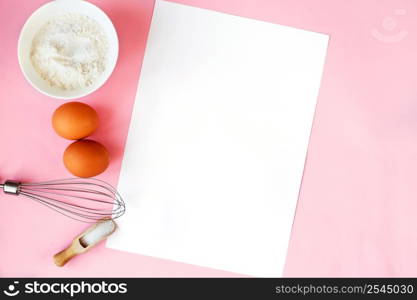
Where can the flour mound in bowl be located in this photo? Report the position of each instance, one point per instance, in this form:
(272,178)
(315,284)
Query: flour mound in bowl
(70,51)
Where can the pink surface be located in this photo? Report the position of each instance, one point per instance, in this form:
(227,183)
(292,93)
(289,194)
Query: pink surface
(357,206)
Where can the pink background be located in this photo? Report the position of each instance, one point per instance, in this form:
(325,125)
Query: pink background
(358,201)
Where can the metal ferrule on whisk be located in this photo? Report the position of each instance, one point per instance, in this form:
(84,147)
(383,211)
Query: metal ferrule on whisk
(11,187)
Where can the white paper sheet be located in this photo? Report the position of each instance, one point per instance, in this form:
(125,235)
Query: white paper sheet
(218,138)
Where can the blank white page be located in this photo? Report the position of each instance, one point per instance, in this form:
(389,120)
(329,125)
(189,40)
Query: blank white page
(218,139)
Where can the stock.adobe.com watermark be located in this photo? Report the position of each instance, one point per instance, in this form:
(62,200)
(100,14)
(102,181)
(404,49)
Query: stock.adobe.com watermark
(63,288)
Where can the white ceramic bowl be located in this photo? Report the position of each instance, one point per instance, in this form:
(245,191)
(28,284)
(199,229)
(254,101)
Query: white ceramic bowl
(38,19)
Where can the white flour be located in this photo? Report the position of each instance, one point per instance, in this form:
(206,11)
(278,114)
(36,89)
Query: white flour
(102,229)
(70,51)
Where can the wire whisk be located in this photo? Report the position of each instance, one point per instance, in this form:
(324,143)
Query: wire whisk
(85,200)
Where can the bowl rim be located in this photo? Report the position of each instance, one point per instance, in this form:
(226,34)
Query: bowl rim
(111,66)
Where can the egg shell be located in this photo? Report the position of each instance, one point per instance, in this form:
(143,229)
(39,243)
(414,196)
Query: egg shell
(86,158)
(75,120)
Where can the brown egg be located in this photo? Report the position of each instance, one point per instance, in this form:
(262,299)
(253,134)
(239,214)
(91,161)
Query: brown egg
(86,158)
(75,120)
